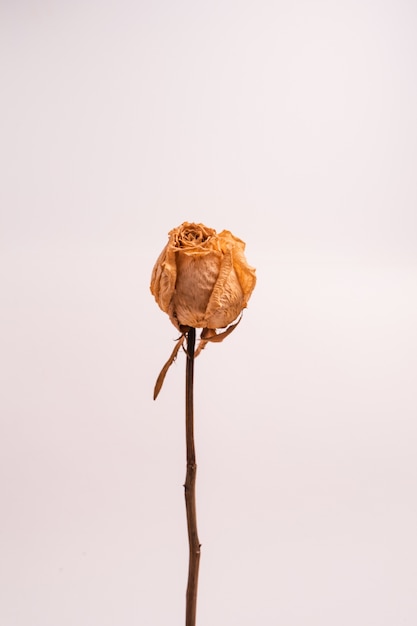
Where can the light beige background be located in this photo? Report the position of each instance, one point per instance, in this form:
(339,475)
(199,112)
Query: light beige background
(293,124)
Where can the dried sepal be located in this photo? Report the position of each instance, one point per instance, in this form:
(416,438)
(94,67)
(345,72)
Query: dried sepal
(163,372)
(209,335)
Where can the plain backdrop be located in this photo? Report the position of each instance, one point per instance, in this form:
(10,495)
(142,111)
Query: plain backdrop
(292,124)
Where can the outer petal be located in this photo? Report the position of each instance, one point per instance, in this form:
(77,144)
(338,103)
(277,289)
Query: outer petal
(156,274)
(196,276)
(164,275)
(226,300)
(245,273)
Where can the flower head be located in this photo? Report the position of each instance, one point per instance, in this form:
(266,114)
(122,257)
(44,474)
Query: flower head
(201,278)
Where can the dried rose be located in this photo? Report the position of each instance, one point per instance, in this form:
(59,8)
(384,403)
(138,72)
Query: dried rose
(201,278)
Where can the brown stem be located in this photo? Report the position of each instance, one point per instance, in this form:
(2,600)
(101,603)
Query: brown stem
(190,503)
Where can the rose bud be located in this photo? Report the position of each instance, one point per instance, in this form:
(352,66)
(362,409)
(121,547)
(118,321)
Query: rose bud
(202,279)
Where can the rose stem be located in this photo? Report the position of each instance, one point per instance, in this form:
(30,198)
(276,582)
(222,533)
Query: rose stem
(190,502)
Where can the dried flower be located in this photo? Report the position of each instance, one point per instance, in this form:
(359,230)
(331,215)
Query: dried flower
(201,278)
